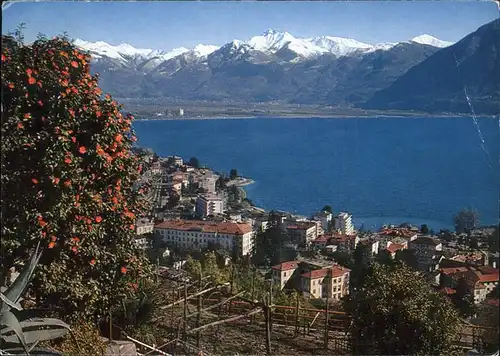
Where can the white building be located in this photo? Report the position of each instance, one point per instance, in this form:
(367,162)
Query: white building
(343,223)
(325,218)
(208,182)
(192,234)
(144,226)
(142,242)
(207,205)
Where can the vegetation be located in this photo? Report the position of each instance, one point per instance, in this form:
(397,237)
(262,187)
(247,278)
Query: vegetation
(327,208)
(270,244)
(67,177)
(463,300)
(466,220)
(395,312)
(424,229)
(194,162)
(233,174)
(27,333)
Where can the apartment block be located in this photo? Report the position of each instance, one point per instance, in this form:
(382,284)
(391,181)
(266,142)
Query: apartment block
(196,235)
(209,205)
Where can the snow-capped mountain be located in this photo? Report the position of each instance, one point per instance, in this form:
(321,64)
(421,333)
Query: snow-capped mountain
(271,42)
(272,66)
(431,41)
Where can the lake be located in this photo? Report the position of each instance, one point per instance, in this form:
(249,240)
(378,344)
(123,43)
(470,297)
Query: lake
(382,170)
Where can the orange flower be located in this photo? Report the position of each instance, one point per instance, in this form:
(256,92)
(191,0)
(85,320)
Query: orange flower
(98,219)
(53,238)
(82,150)
(34,180)
(40,103)
(3,58)
(20,125)
(11,85)
(73,139)
(28,72)
(98,114)
(67,183)
(42,223)
(74,64)
(55,180)
(118,138)
(74,249)
(92,262)
(27,115)
(67,160)
(32,80)
(64,54)
(39,84)
(123,270)
(75,239)
(52,244)
(131,227)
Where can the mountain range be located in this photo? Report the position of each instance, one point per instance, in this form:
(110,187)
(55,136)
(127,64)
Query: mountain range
(278,67)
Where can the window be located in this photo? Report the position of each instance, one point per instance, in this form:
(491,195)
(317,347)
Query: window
(314,291)
(284,274)
(314,283)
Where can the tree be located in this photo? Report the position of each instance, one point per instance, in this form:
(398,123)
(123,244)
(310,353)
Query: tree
(233,174)
(407,257)
(493,240)
(424,229)
(173,200)
(270,244)
(67,180)
(327,208)
(363,260)
(473,243)
(463,299)
(220,184)
(466,220)
(194,162)
(395,312)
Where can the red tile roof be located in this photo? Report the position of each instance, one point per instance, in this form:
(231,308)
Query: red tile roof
(286,266)
(334,271)
(448,291)
(343,238)
(301,226)
(488,278)
(493,302)
(228,228)
(392,248)
(322,239)
(425,240)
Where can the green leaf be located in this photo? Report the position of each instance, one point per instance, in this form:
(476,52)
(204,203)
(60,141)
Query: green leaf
(10,320)
(19,286)
(7,301)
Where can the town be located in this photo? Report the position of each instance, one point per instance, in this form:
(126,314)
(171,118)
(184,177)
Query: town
(197,210)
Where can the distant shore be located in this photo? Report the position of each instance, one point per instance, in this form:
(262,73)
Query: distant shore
(246,117)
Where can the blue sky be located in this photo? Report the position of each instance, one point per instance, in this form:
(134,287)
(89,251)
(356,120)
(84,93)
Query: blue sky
(168,25)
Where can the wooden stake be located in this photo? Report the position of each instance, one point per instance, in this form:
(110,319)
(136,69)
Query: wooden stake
(198,309)
(297,325)
(228,320)
(268,328)
(271,307)
(184,335)
(325,345)
(252,319)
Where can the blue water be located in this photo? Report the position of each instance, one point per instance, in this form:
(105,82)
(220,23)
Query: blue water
(383,170)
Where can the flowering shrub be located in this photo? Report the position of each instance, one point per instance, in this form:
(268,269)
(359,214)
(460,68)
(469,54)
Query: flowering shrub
(67,179)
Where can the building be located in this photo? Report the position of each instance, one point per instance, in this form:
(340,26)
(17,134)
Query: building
(142,242)
(330,282)
(428,251)
(283,272)
(178,161)
(209,205)
(325,218)
(372,244)
(302,233)
(321,242)
(197,235)
(144,226)
(477,258)
(208,181)
(343,223)
(345,243)
(393,248)
(480,281)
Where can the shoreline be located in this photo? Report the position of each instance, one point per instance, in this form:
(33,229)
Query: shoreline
(325,117)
